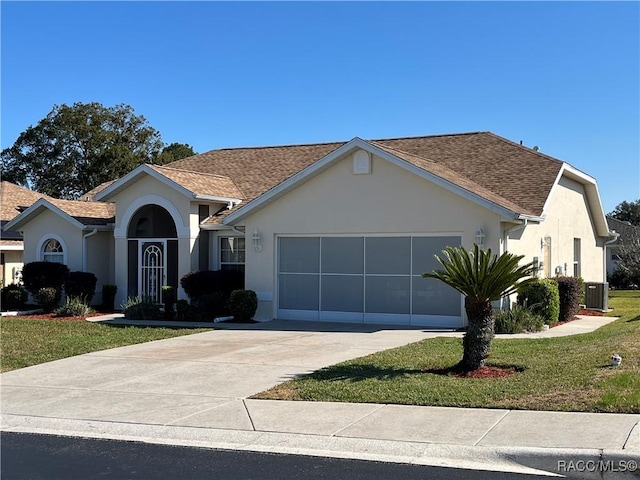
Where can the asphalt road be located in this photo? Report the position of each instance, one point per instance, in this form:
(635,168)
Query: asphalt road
(46,457)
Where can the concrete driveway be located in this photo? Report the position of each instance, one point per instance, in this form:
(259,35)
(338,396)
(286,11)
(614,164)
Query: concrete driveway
(195,380)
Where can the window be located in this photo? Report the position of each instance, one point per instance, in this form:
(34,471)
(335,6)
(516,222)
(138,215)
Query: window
(576,257)
(232,253)
(52,251)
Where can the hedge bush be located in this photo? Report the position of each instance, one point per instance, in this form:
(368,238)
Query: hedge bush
(542,298)
(211,305)
(569,288)
(137,308)
(37,275)
(243,305)
(203,282)
(13,297)
(81,285)
(623,279)
(518,320)
(48,298)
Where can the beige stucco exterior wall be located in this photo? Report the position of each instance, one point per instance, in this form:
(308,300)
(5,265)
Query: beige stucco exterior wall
(389,200)
(567,217)
(100,261)
(12,259)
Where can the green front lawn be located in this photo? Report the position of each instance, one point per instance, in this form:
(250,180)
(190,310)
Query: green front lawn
(567,373)
(26,341)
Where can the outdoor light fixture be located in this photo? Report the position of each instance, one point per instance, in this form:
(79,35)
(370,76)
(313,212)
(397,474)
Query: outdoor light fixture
(257,246)
(480,238)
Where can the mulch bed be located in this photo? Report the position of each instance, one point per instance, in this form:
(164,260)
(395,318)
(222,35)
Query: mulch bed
(483,372)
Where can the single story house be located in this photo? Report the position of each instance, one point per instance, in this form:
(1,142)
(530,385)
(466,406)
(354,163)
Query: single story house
(332,231)
(13,199)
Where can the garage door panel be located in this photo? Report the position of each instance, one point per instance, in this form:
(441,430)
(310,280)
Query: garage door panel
(388,295)
(299,292)
(299,255)
(388,255)
(424,249)
(341,293)
(432,297)
(343,255)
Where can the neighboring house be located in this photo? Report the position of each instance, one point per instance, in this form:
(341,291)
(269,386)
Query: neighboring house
(628,234)
(333,231)
(13,199)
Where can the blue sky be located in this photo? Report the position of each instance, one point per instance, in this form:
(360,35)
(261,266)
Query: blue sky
(561,75)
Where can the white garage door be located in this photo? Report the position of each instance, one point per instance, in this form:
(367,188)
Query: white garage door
(365,279)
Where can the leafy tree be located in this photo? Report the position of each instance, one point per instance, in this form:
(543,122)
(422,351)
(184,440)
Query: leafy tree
(175,151)
(627,212)
(482,278)
(629,254)
(75,148)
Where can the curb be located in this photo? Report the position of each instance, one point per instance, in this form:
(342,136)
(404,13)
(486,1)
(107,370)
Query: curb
(585,464)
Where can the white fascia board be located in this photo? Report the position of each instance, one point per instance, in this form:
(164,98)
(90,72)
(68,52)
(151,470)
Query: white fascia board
(12,248)
(35,209)
(130,177)
(216,227)
(591,192)
(212,198)
(296,179)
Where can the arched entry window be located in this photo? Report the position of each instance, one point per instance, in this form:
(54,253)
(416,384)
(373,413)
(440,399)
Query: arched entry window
(52,251)
(153,252)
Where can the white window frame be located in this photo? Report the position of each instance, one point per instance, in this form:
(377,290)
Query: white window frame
(42,255)
(222,263)
(577,257)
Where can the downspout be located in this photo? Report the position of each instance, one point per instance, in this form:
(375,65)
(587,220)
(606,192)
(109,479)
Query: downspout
(612,238)
(85,259)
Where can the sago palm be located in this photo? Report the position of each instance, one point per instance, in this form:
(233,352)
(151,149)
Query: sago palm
(482,278)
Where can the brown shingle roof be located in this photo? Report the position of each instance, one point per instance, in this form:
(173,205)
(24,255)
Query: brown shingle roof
(87,213)
(201,183)
(494,168)
(91,194)
(14,199)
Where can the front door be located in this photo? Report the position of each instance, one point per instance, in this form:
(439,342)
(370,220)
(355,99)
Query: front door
(152,269)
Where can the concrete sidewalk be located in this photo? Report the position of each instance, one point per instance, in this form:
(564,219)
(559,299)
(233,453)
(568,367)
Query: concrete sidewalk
(193,390)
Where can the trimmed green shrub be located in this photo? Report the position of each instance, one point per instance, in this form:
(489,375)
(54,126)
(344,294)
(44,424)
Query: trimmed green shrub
(81,285)
(542,298)
(13,297)
(622,279)
(37,275)
(211,305)
(202,282)
(109,296)
(518,320)
(74,307)
(569,288)
(243,305)
(185,312)
(48,298)
(136,308)
(169,300)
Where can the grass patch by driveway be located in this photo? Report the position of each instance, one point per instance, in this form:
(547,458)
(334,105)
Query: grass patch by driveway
(26,341)
(565,373)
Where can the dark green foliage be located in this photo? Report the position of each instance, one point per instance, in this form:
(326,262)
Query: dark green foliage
(109,296)
(542,298)
(13,297)
(37,275)
(169,300)
(628,212)
(175,151)
(137,308)
(623,279)
(76,148)
(48,298)
(518,320)
(74,307)
(202,282)
(243,305)
(185,312)
(569,288)
(211,305)
(81,285)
